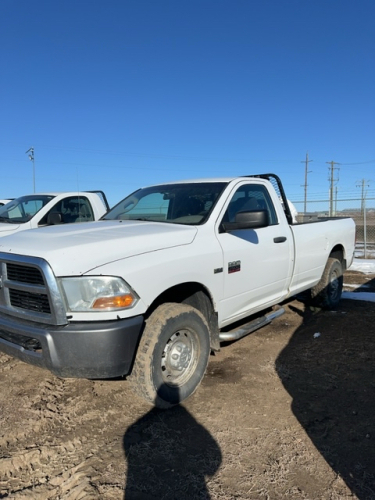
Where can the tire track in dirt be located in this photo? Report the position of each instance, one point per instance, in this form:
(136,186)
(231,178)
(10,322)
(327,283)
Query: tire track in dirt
(53,433)
(31,467)
(47,472)
(41,457)
(40,462)
(50,405)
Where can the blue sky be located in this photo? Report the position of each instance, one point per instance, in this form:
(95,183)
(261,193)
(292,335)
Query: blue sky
(119,94)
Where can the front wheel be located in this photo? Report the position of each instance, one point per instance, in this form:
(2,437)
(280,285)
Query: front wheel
(172,355)
(327,293)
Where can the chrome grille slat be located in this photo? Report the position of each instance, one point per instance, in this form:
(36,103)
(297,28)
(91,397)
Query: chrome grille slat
(29,290)
(24,274)
(30,301)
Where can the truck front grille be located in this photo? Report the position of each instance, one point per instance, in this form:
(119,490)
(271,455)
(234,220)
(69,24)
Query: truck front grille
(24,274)
(29,290)
(30,301)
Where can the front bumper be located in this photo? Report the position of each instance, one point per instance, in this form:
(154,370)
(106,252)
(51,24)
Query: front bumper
(102,349)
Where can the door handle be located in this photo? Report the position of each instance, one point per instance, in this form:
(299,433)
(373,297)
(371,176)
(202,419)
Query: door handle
(279,239)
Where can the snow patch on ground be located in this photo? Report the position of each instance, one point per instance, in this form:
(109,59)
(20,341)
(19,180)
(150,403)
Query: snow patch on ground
(366,266)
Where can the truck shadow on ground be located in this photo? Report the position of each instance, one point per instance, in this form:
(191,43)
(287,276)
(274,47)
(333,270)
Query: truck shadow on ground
(328,368)
(169,455)
(369,286)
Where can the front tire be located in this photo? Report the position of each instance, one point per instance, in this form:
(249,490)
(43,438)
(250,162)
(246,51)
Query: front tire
(327,293)
(172,356)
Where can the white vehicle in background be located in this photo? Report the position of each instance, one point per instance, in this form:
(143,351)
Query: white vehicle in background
(46,209)
(293,211)
(4,202)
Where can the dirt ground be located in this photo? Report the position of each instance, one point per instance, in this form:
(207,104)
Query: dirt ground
(282,413)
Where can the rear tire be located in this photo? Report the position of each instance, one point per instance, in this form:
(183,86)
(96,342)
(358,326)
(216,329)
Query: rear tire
(172,356)
(327,293)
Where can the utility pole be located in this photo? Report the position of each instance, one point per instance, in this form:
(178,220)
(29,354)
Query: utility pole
(306,162)
(363,195)
(335,200)
(363,212)
(31,157)
(332,181)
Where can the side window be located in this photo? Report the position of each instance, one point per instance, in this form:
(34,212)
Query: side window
(71,209)
(249,198)
(76,209)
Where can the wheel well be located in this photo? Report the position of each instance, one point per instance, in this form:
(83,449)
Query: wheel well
(338,253)
(197,296)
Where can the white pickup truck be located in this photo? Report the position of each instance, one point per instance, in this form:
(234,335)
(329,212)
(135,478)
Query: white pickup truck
(165,277)
(4,202)
(44,209)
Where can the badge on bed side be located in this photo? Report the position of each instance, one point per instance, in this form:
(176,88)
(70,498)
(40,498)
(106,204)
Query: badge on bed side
(234,267)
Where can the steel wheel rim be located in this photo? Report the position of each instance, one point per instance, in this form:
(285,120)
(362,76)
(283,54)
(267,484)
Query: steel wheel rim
(334,285)
(179,358)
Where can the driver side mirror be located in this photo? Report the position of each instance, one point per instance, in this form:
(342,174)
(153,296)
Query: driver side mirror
(254,219)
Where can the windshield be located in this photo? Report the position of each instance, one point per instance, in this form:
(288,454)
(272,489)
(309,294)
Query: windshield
(23,209)
(188,203)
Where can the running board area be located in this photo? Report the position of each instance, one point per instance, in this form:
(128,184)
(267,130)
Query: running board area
(250,327)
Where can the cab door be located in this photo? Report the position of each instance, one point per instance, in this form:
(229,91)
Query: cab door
(257,262)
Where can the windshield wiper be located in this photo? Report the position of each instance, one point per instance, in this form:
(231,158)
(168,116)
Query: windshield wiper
(12,221)
(143,219)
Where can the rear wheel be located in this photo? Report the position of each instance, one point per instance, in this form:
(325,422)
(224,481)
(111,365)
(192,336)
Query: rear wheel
(172,355)
(327,293)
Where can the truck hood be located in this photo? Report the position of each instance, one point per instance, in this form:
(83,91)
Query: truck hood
(75,249)
(6,228)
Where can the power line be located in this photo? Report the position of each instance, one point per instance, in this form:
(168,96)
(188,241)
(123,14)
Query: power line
(359,163)
(166,156)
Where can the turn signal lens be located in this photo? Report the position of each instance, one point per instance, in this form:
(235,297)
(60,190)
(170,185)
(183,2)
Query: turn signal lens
(120,301)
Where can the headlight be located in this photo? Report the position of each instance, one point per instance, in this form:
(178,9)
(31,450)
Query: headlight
(97,293)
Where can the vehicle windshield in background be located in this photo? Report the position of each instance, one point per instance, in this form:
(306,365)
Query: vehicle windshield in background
(187,203)
(23,209)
